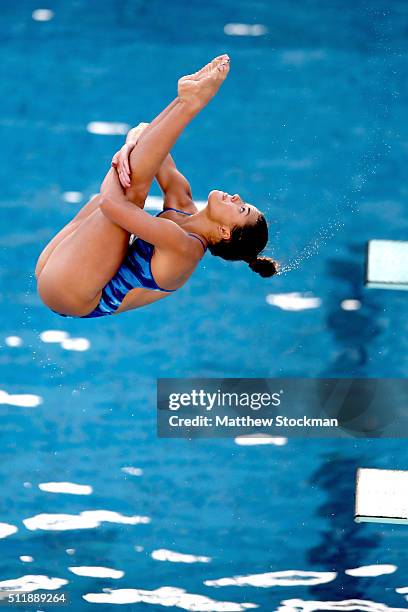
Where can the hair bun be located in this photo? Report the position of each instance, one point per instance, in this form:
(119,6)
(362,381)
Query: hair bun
(265,266)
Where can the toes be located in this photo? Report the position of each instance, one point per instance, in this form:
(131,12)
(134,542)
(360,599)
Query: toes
(222,59)
(222,71)
(224,67)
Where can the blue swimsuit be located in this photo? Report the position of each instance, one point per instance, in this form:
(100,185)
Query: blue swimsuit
(135,271)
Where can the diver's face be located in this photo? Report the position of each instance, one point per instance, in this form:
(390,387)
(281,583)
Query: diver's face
(230,210)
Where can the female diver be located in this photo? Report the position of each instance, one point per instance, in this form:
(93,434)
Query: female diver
(96,266)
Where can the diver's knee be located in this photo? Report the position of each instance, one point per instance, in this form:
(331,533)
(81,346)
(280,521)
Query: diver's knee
(137,194)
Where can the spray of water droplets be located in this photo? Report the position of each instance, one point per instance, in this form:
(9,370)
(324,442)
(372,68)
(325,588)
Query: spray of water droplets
(334,225)
(369,165)
(312,247)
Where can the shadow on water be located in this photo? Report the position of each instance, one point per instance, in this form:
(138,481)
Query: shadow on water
(354,330)
(344,543)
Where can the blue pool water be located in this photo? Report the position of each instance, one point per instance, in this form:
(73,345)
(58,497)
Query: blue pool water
(311,127)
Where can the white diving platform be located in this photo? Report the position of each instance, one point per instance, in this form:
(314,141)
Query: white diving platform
(387,264)
(381,496)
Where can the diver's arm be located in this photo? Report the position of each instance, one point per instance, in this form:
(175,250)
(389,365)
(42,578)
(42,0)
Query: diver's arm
(121,160)
(111,185)
(175,187)
(162,233)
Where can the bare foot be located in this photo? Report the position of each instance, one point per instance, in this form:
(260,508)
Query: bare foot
(207,68)
(197,89)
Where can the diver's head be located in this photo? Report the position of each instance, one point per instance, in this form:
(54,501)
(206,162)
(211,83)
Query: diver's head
(240,232)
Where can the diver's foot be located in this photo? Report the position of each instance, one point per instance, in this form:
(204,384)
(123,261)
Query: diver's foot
(205,70)
(197,89)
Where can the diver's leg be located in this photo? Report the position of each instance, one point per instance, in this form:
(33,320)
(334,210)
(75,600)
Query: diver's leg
(195,76)
(80,266)
(93,204)
(84,212)
(158,138)
(205,82)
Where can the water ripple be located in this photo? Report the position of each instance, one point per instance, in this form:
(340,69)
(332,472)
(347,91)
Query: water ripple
(371,570)
(168,555)
(76,344)
(403,591)
(245,29)
(29,583)
(97,572)
(260,439)
(65,487)
(53,335)
(347,605)
(72,197)
(13,341)
(168,597)
(293,301)
(108,128)
(132,471)
(64,339)
(271,579)
(6,530)
(89,519)
(42,14)
(27,400)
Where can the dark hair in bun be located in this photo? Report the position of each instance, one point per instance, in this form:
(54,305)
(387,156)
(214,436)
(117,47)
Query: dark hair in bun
(265,266)
(245,244)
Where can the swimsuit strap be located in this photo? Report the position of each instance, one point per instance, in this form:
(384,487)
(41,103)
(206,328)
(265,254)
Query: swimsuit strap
(198,238)
(182,212)
(189,233)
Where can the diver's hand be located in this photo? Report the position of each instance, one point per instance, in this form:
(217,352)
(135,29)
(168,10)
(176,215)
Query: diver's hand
(120,161)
